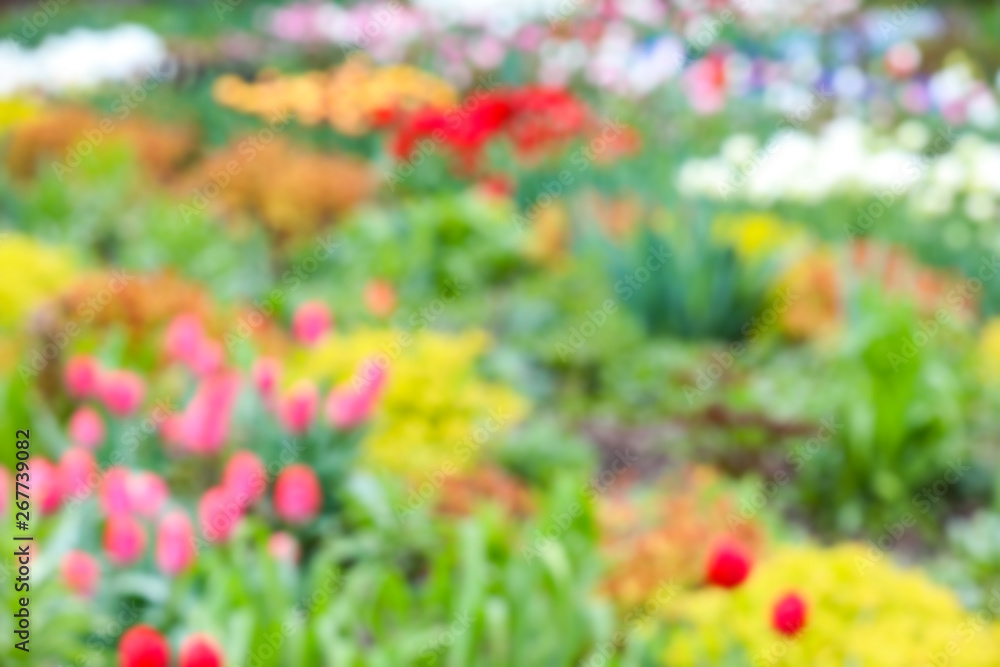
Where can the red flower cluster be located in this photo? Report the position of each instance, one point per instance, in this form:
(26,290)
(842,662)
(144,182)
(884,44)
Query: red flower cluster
(532,118)
(143,646)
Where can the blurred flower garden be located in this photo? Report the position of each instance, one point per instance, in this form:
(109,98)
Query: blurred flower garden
(463,332)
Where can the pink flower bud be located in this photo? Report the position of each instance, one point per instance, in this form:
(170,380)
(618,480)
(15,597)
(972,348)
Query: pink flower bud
(204,426)
(183,336)
(311,321)
(175,543)
(200,650)
(77,472)
(245,477)
(266,374)
(80,572)
(147,493)
(43,485)
(81,376)
(351,404)
(5,489)
(284,547)
(86,428)
(297,494)
(297,408)
(380,298)
(114,494)
(121,392)
(218,514)
(124,539)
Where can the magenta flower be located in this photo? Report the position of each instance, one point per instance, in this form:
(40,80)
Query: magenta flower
(77,472)
(43,485)
(311,321)
(204,426)
(297,408)
(114,495)
(297,494)
(147,493)
(121,392)
(218,514)
(245,477)
(80,572)
(266,374)
(175,543)
(124,539)
(81,376)
(183,337)
(352,403)
(86,428)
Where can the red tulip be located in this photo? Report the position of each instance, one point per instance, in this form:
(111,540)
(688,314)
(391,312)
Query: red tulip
(124,539)
(44,485)
(245,477)
(297,408)
(183,336)
(728,565)
(297,494)
(77,472)
(80,572)
(86,428)
(142,646)
(121,392)
(81,376)
(175,543)
(218,514)
(311,321)
(200,650)
(789,614)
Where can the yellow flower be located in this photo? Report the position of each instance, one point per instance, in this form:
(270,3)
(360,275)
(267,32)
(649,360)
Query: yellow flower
(989,350)
(436,410)
(30,272)
(758,236)
(13,111)
(862,610)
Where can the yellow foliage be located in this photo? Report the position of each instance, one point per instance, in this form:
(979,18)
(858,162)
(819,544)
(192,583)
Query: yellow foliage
(861,611)
(435,410)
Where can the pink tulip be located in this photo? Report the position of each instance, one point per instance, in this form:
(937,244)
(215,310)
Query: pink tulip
(204,426)
(81,376)
(311,321)
(114,494)
(297,494)
(86,428)
(121,392)
(297,408)
(175,545)
(283,547)
(351,404)
(218,514)
(77,472)
(6,489)
(124,539)
(245,477)
(80,572)
(208,358)
(183,336)
(266,374)
(43,484)
(147,493)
